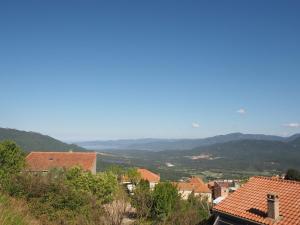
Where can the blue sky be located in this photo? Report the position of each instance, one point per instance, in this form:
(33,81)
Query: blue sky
(82,70)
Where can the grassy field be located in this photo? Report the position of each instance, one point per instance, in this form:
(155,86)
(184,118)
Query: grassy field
(14,212)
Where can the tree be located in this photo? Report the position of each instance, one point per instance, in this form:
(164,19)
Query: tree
(118,171)
(165,197)
(142,200)
(12,160)
(192,211)
(292,174)
(133,175)
(102,185)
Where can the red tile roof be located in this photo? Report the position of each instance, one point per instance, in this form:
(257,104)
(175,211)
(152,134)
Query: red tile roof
(195,184)
(149,176)
(250,201)
(196,180)
(43,161)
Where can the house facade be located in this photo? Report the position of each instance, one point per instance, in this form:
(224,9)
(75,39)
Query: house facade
(262,200)
(222,188)
(194,185)
(45,161)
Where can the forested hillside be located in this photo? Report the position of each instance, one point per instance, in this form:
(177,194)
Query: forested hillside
(31,141)
(243,155)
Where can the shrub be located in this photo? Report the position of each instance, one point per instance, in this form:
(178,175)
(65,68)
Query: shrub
(65,196)
(102,185)
(292,174)
(165,197)
(192,211)
(12,161)
(142,199)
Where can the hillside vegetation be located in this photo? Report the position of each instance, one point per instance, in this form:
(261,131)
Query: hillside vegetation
(15,212)
(77,197)
(31,141)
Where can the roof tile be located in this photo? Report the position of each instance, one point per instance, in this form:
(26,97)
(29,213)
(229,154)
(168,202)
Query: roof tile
(44,161)
(148,175)
(250,201)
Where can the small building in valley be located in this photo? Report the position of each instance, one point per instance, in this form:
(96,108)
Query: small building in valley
(195,185)
(222,188)
(44,161)
(262,200)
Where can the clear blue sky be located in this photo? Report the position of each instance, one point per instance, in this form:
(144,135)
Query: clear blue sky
(80,70)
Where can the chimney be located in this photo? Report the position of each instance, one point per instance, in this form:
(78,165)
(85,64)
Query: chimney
(273,206)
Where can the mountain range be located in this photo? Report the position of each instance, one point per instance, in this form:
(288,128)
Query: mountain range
(229,154)
(152,144)
(32,141)
(231,159)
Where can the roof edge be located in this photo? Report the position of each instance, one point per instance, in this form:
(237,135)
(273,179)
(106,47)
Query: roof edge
(239,217)
(275,179)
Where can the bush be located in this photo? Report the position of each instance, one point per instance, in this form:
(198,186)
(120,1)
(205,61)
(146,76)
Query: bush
(102,185)
(142,200)
(65,196)
(165,198)
(190,212)
(12,161)
(292,174)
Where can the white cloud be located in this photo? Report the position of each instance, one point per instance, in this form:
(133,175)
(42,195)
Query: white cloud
(292,125)
(195,125)
(241,111)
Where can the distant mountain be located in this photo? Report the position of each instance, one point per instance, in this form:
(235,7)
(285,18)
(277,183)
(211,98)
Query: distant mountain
(240,155)
(174,144)
(294,137)
(229,159)
(31,141)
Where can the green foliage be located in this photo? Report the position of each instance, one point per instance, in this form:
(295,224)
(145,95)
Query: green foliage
(102,185)
(12,161)
(190,212)
(11,157)
(14,212)
(61,195)
(118,171)
(142,199)
(133,175)
(292,174)
(165,197)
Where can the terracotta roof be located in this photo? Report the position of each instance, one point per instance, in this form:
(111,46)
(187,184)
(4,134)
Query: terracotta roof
(43,161)
(195,184)
(196,180)
(148,175)
(250,201)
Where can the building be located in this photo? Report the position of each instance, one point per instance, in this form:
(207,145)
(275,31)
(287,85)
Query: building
(149,176)
(262,200)
(222,188)
(195,185)
(44,161)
